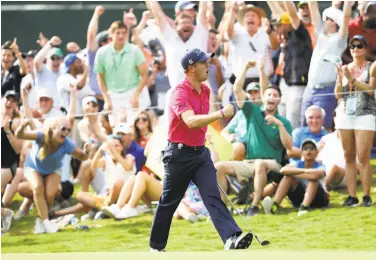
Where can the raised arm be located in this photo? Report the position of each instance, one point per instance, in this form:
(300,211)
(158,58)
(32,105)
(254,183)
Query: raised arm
(42,54)
(276,8)
(15,49)
(315,13)
(201,16)
(92,30)
(230,21)
(239,92)
(291,9)
(264,80)
(346,19)
(21,134)
(72,106)
(158,13)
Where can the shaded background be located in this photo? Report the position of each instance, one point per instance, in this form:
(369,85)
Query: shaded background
(69,20)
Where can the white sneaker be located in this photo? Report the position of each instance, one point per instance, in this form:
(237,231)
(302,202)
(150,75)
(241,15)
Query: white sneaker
(90,215)
(39,227)
(50,227)
(20,214)
(141,209)
(267,204)
(112,211)
(127,212)
(7,219)
(156,250)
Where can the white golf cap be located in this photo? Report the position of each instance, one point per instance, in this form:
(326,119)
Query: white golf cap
(44,93)
(333,13)
(88,99)
(123,128)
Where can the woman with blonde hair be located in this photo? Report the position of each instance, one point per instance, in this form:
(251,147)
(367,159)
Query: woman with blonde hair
(356,118)
(42,167)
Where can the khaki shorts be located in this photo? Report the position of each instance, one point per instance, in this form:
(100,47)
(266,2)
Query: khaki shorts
(246,169)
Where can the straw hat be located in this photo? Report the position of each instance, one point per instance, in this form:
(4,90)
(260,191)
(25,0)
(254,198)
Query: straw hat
(260,11)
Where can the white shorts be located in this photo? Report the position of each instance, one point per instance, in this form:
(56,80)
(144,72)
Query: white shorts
(123,100)
(29,170)
(347,122)
(99,183)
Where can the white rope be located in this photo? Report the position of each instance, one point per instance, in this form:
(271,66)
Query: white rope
(211,103)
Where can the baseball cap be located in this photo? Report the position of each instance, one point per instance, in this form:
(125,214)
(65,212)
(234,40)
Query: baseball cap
(185,5)
(193,56)
(333,13)
(88,99)
(67,189)
(284,19)
(11,93)
(55,52)
(370,3)
(69,60)
(301,3)
(102,36)
(123,128)
(308,141)
(253,86)
(360,38)
(43,92)
(31,53)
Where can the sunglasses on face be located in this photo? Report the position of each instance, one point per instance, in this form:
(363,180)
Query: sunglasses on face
(65,129)
(144,119)
(309,148)
(359,46)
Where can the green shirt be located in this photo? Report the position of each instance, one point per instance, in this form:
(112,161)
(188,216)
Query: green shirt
(264,141)
(120,69)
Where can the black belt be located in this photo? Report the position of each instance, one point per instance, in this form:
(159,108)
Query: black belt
(180,146)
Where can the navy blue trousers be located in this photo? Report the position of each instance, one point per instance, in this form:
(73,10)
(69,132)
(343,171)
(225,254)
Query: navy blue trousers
(183,165)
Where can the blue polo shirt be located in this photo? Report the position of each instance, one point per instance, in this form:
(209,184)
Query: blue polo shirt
(138,152)
(238,126)
(302,133)
(300,164)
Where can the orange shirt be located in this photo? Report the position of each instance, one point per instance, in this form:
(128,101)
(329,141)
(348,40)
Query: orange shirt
(312,33)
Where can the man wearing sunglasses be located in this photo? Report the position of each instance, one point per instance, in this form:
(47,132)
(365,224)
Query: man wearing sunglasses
(303,183)
(331,43)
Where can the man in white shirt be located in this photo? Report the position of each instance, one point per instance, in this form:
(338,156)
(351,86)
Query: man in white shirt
(177,41)
(75,76)
(46,74)
(251,38)
(331,43)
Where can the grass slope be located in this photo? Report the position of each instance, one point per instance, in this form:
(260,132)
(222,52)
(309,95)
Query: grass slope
(332,228)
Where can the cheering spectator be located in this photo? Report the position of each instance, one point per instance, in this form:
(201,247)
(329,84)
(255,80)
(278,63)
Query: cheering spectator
(304,12)
(11,75)
(74,76)
(94,41)
(268,135)
(365,25)
(250,38)
(89,105)
(185,36)
(331,43)
(303,183)
(30,79)
(122,73)
(315,117)
(297,54)
(47,74)
(143,129)
(43,166)
(356,118)
(10,148)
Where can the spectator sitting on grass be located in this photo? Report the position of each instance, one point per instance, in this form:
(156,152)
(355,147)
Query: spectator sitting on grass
(304,183)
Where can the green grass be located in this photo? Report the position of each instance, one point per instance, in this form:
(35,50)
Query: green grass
(332,228)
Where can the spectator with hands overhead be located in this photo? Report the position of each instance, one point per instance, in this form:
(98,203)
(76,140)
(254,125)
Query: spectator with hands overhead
(11,74)
(250,38)
(47,74)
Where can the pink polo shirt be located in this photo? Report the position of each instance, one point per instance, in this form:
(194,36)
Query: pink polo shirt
(184,97)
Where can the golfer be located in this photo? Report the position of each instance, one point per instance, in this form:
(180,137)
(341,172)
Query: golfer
(186,158)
